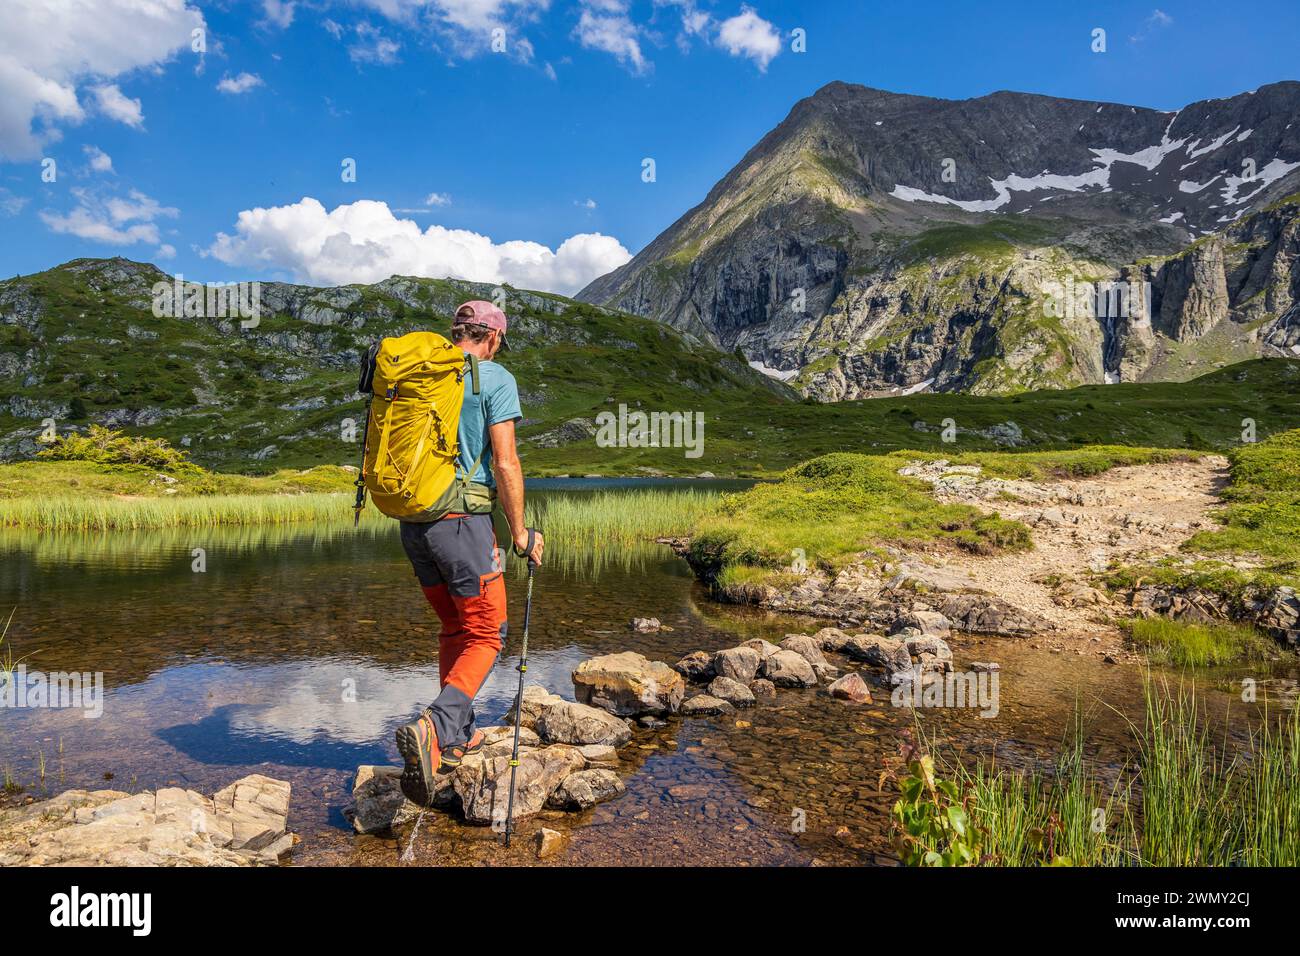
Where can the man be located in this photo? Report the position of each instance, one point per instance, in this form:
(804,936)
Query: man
(457,561)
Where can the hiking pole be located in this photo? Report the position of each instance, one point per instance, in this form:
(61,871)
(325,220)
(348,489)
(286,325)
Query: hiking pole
(519,700)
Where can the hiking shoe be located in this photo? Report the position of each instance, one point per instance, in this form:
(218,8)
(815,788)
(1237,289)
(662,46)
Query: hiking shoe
(453,755)
(417,742)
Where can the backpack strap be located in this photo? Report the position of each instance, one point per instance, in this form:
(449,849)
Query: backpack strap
(475,386)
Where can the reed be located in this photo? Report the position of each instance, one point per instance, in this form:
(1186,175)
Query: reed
(133,514)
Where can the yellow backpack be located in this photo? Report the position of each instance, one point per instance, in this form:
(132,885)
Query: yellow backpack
(416,386)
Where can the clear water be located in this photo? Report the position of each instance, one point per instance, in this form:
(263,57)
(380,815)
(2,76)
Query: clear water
(297,652)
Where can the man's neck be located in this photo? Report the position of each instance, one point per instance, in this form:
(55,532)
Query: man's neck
(477,349)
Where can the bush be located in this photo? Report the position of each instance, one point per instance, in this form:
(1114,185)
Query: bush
(105,446)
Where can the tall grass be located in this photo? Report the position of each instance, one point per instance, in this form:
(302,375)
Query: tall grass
(117,514)
(1188,799)
(605,520)
(1199,645)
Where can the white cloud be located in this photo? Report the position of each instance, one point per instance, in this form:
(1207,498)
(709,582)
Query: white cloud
(48,48)
(165,251)
(115,104)
(364,242)
(749,35)
(437,199)
(1157,20)
(585,203)
(242,83)
(278,13)
(116,221)
(373,47)
(11,204)
(100,161)
(604,25)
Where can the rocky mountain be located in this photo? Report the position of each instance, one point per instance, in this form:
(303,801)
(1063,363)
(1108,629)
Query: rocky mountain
(877,243)
(82,343)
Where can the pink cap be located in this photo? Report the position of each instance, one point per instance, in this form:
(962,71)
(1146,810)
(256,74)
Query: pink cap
(478,312)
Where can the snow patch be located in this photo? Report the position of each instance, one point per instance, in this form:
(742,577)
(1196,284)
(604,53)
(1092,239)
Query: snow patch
(780,375)
(1270,174)
(918,387)
(1193,152)
(1173,217)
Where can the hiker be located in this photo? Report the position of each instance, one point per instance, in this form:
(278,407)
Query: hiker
(457,561)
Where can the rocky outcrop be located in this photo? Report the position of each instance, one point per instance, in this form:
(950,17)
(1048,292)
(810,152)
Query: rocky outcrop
(628,684)
(244,824)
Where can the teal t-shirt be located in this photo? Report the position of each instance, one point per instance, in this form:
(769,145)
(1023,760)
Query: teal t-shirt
(497,402)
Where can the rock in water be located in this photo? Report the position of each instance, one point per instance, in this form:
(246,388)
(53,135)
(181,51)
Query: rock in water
(536,700)
(697,667)
(765,648)
(831,639)
(880,652)
(628,684)
(586,788)
(788,669)
(738,663)
(807,648)
(484,785)
(732,691)
(378,801)
(549,842)
(763,689)
(704,705)
(570,723)
(851,687)
(929,623)
(646,624)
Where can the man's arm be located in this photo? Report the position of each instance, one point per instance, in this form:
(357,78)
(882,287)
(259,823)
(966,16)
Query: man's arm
(510,485)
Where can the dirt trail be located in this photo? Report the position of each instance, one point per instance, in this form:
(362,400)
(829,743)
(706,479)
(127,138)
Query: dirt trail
(1080,527)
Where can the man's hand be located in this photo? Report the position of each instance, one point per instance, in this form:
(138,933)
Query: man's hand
(539,543)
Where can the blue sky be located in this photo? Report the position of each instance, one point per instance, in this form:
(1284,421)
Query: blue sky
(529,157)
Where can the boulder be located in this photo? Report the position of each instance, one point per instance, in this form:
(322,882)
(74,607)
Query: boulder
(985,614)
(762,689)
(599,753)
(627,684)
(502,739)
(879,652)
(646,624)
(928,623)
(765,648)
(851,687)
(696,667)
(934,646)
(807,648)
(831,639)
(578,724)
(732,691)
(484,785)
(586,788)
(705,705)
(788,669)
(738,663)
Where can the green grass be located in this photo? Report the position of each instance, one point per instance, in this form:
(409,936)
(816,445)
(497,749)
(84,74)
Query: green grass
(613,519)
(1190,797)
(1186,644)
(833,508)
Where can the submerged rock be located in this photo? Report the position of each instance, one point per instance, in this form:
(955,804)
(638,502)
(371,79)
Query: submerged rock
(483,784)
(628,684)
(705,705)
(549,842)
(762,689)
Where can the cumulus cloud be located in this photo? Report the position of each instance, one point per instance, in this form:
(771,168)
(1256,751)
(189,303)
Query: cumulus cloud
(11,204)
(243,83)
(115,104)
(364,242)
(113,220)
(279,13)
(604,25)
(749,35)
(97,41)
(100,161)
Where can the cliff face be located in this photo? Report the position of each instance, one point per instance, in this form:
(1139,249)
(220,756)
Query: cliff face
(874,243)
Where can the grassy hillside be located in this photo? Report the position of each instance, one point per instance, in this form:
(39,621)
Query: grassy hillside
(79,343)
